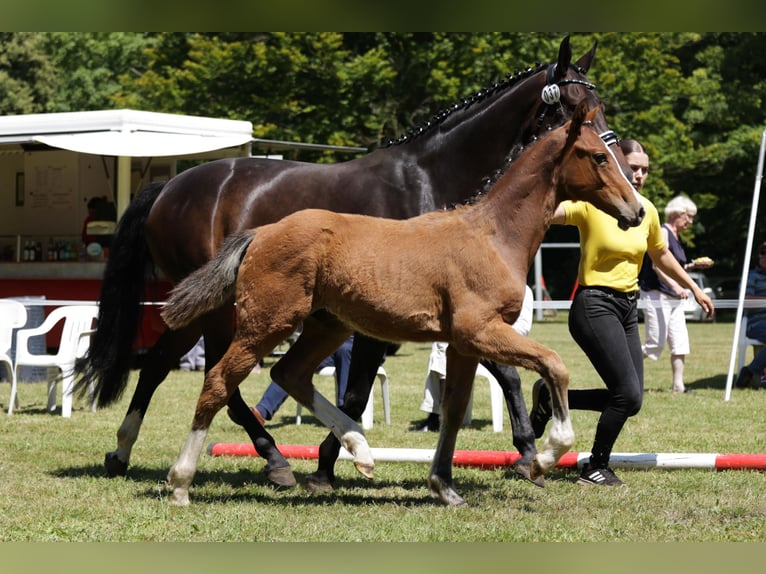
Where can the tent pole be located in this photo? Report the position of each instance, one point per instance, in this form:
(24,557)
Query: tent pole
(745,266)
(123,184)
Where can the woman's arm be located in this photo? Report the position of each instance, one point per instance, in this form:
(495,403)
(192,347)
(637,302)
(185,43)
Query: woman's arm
(663,260)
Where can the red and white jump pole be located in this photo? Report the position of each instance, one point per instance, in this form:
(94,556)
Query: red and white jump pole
(497,459)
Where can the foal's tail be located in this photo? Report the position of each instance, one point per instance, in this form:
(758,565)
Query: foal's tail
(210,286)
(108,361)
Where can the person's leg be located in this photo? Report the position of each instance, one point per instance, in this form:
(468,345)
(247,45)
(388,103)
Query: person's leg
(606,328)
(432,395)
(757,331)
(678,340)
(272,399)
(341,360)
(655,323)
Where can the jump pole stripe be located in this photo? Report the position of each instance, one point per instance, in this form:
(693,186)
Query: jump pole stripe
(497,459)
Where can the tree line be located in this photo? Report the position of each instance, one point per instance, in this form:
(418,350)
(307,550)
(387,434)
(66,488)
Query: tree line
(695,100)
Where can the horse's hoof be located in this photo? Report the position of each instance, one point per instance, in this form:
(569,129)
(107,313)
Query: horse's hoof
(523,469)
(444,492)
(365,469)
(180,497)
(536,471)
(114,466)
(282,476)
(318,484)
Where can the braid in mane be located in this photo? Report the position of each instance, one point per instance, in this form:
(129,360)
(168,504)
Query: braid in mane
(498,86)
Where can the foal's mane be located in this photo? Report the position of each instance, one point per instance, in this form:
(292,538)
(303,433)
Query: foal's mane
(497,87)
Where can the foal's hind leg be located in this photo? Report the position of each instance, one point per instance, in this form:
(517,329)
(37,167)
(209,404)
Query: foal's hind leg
(523,435)
(367,354)
(220,382)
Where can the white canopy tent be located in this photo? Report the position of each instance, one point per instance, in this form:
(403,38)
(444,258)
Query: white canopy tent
(745,265)
(125,134)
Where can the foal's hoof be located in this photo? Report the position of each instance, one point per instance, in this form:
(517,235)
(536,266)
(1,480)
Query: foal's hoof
(282,477)
(318,483)
(365,469)
(114,466)
(523,469)
(444,492)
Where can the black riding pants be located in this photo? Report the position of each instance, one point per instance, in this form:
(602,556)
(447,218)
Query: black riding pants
(604,323)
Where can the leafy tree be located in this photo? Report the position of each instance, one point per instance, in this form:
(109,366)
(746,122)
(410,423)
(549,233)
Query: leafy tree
(27,75)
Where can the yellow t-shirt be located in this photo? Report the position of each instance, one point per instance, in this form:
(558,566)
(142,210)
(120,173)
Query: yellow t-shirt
(609,256)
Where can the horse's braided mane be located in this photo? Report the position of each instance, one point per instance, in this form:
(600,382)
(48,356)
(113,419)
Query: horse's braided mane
(497,87)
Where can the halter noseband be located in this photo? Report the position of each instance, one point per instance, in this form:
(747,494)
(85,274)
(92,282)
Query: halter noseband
(551,96)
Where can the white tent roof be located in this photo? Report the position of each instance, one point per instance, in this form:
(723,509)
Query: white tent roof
(127,133)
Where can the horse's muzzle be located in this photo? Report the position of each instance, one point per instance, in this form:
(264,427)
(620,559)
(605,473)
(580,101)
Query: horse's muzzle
(625,223)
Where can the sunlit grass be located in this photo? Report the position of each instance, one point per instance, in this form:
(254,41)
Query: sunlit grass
(53,487)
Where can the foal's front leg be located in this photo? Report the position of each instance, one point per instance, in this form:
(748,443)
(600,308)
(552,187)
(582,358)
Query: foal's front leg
(457,393)
(499,342)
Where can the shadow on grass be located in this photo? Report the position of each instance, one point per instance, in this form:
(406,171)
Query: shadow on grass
(714,382)
(252,486)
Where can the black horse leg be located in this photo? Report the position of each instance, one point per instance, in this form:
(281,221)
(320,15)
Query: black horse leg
(278,470)
(523,435)
(160,359)
(366,356)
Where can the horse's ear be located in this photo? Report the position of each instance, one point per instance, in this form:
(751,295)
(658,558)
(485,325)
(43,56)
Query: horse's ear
(565,58)
(580,116)
(586,61)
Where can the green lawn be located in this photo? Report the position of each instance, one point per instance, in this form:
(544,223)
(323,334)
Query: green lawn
(53,487)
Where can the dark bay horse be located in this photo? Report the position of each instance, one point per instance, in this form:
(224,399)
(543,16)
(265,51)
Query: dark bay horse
(179,227)
(456,276)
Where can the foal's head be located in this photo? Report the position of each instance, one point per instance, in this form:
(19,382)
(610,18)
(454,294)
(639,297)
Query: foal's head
(590,172)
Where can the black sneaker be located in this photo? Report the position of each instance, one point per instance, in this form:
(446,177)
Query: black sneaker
(541,407)
(598,477)
(744,378)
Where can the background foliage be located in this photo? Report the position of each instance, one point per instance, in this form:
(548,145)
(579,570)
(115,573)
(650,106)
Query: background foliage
(694,99)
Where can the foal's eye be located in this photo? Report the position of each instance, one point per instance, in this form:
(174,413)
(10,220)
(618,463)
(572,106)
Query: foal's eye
(599,158)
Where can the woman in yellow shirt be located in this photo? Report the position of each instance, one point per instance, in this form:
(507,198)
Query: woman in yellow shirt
(603,319)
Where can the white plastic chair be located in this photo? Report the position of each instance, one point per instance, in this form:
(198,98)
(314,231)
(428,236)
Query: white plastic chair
(497,400)
(367,414)
(75,338)
(744,343)
(13,315)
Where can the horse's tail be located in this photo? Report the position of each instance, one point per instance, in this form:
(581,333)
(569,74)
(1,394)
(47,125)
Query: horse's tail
(108,361)
(210,286)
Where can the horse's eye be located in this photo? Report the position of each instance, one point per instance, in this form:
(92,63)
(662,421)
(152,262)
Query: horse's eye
(600,158)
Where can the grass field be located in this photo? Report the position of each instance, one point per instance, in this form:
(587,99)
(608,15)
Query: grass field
(53,487)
